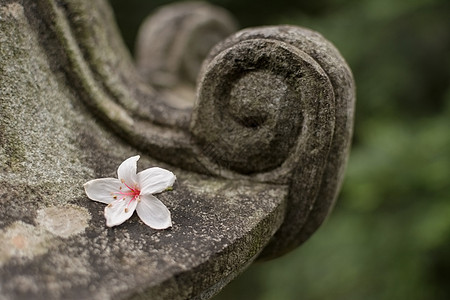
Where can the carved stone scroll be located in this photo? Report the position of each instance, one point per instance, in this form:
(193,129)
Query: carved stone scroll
(173,41)
(294,115)
(276,103)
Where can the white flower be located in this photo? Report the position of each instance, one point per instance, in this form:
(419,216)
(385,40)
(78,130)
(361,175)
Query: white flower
(133,192)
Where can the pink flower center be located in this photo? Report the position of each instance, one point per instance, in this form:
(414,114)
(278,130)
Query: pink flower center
(133,192)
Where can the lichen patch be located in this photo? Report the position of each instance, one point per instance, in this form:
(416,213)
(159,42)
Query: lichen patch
(63,221)
(14,10)
(22,240)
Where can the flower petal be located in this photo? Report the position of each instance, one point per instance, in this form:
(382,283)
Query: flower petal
(155,180)
(119,211)
(153,212)
(127,171)
(102,190)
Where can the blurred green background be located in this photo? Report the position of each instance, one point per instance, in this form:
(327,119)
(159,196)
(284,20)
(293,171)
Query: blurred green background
(389,236)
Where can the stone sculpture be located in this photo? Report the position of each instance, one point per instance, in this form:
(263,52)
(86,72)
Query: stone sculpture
(258,147)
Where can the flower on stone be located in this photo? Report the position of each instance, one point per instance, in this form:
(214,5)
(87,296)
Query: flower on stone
(132,192)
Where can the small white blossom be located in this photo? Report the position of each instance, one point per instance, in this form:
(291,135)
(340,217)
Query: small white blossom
(133,192)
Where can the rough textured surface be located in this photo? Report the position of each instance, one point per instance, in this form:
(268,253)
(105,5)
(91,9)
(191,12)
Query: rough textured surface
(72,107)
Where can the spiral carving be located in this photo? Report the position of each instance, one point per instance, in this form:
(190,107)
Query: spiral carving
(258,101)
(173,42)
(276,104)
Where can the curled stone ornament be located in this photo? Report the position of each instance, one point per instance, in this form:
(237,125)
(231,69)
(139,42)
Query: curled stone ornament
(173,41)
(276,103)
(258,101)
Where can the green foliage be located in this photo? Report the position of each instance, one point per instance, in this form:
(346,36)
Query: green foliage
(389,236)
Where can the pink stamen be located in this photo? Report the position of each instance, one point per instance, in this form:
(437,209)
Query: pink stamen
(133,192)
(127,194)
(132,200)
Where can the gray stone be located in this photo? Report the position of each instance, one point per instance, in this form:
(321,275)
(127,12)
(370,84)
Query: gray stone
(259,156)
(173,41)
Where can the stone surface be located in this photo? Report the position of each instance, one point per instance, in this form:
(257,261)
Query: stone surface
(73,107)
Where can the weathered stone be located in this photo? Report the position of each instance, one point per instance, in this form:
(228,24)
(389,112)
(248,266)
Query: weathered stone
(302,134)
(173,42)
(259,163)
